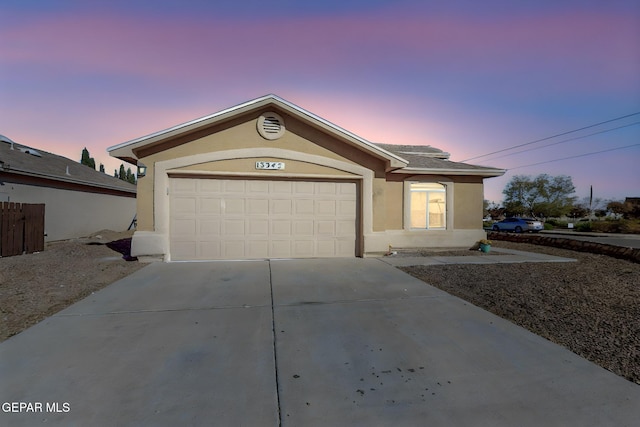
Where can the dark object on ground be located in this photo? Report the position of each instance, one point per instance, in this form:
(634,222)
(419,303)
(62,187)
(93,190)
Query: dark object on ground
(122,246)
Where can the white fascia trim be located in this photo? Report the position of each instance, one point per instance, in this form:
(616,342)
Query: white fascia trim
(395,161)
(439,171)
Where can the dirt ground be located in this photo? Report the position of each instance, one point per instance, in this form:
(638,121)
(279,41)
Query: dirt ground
(591,307)
(35,286)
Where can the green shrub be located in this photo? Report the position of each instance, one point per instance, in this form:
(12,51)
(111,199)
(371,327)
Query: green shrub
(548,226)
(583,226)
(627,226)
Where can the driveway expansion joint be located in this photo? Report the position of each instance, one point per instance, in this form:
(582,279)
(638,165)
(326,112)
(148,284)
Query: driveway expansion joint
(275,349)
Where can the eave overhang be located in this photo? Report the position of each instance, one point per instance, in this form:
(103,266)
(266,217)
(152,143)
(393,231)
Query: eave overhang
(27,173)
(127,150)
(487,173)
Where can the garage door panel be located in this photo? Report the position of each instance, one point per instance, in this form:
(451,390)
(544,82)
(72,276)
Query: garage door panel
(326,188)
(345,189)
(303,206)
(233,206)
(344,248)
(233,227)
(303,248)
(233,249)
(257,206)
(281,187)
(281,248)
(185,227)
(326,248)
(185,185)
(281,228)
(304,188)
(184,205)
(210,250)
(345,207)
(326,228)
(325,207)
(345,228)
(236,219)
(187,250)
(281,207)
(257,249)
(210,206)
(209,226)
(303,228)
(258,227)
(260,187)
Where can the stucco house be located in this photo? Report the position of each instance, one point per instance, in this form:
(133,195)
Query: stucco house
(78,200)
(268,179)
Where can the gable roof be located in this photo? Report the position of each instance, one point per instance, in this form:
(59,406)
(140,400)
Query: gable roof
(400,158)
(21,160)
(125,151)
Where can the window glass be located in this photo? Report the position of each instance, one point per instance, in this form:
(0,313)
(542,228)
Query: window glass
(428,205)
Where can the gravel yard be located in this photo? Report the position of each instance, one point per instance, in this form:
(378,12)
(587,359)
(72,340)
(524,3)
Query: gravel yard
(35,286)
(591,307)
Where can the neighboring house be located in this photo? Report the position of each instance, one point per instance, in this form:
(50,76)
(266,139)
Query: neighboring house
(78,200)
(268,179)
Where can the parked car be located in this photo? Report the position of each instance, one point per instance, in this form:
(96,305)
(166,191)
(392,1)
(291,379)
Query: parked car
(518,225)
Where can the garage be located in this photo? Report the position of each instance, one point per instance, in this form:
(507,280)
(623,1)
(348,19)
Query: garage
(214,218)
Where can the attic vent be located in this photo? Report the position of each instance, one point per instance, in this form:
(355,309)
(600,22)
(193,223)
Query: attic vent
(270,126)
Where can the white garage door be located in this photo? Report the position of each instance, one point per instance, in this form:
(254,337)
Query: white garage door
(245,219)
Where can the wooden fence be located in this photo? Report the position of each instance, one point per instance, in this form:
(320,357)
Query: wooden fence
(21,228)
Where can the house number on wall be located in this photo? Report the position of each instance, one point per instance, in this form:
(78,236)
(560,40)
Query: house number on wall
(270,165)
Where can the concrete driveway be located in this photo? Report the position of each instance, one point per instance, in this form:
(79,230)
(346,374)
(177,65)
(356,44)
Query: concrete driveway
(295,343)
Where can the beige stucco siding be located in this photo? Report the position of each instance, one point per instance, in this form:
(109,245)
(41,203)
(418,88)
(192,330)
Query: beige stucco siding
(70,214)
(468,205)
(379,204)
(144,201)
(394,203)
(242,134)
(248,165)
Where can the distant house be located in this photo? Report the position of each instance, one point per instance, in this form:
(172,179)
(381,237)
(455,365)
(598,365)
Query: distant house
(268,179)
(78,200)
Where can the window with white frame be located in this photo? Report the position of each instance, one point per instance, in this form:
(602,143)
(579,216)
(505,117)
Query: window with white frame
(428,205)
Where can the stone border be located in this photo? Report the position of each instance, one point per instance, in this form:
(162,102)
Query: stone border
(629,254)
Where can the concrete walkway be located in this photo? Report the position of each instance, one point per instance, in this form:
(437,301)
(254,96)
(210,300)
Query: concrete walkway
(342,342)
(505,256)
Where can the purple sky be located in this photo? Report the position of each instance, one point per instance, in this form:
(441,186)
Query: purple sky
(468,77)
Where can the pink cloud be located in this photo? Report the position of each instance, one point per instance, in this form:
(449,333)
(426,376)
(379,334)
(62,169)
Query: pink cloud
(597,44)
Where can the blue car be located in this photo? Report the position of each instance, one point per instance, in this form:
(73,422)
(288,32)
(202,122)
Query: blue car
(518,225)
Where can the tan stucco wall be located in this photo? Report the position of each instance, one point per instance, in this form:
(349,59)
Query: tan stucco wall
(379,204)
(468,205)
(242,134)
(69,214)
(394,204)
(249,165)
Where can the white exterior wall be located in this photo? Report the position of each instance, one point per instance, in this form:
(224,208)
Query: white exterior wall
(70,214)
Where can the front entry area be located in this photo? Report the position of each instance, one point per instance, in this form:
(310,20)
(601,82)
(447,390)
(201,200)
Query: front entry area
(213,218)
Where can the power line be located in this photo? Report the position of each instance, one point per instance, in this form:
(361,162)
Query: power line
(553,136)
(563,141)
(573,157)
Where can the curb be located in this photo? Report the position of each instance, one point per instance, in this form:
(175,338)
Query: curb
(629,254)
